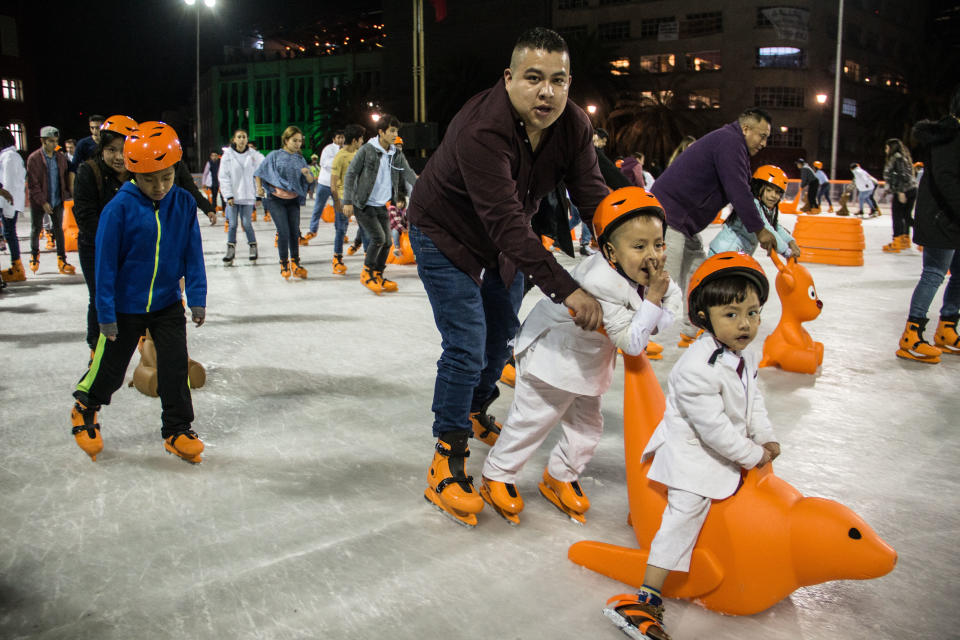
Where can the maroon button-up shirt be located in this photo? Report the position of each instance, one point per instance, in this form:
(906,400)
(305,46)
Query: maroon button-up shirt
(483,185)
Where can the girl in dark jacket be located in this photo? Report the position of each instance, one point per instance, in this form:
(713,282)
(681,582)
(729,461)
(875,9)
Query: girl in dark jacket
(898,172)
(937,230)
(98,180)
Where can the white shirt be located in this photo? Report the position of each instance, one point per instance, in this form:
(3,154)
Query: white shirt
(326,163)
(13,177)
(236,175)
(383,188)
(863,180)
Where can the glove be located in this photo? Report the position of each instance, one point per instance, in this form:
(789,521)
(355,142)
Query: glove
(109,330)
(199,314)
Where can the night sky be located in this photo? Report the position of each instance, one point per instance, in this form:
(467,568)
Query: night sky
(138,57)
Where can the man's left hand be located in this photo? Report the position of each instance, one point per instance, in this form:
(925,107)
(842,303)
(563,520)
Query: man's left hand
(199,314)
(767,240)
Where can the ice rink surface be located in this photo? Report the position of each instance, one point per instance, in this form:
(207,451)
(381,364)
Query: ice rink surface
(307,517)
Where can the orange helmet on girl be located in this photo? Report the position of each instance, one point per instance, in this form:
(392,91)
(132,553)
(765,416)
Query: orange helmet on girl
(771,174)
(728,263)
(622,205)
(124,125)
(153,146)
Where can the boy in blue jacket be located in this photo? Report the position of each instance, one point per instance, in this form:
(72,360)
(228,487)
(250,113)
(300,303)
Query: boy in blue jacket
(147,239)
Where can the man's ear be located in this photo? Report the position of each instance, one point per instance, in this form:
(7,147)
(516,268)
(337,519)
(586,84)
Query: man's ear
(507,74)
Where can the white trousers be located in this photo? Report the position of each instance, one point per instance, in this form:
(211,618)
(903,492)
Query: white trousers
(536,408)
(679,529)
(684,256)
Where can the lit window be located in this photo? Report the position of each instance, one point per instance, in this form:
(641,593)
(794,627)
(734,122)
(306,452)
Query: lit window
(704,99)
(662,97)
(658,63)
(620,67)
(849,107)
(781,57)
(851,70)
(12,89)
(19,139)
(704,61)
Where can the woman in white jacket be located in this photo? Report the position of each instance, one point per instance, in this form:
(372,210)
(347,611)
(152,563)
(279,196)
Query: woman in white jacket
(714,425)
(238,188)
(13,176)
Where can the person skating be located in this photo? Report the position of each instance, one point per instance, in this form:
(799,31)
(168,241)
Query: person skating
(13,181)
(321,174)
(714,425)
(48,190)
(563,372)
(353,138)
(898,174)
(865,185)
(823,192)
(98,180)
(238,188)
(147,240)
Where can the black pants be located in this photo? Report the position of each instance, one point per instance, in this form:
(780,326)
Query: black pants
(375,222)
(901,213)
(87,253)
(36,226)
(168,327)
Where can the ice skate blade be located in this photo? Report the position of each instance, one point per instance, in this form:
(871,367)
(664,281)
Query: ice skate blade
(945,348)
(624,625)
(468,520)
(197,459)
(654,356)
(906,355)
(547,493)
(512,518)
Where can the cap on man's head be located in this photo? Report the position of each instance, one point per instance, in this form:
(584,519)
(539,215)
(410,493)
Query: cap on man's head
(49,132)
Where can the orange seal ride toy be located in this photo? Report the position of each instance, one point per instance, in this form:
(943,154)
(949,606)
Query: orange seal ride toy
(755,548)
(790,347)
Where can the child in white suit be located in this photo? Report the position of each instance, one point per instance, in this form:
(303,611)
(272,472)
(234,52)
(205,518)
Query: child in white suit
(714,425)
(562,371)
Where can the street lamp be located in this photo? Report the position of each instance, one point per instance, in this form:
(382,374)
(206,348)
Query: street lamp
(821,98)
(210,4)
(591,109)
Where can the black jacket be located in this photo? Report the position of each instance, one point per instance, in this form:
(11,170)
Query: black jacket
(184,180)
(94,187)
(938,199)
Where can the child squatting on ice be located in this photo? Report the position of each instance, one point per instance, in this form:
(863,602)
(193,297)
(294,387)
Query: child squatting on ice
(768,185)
(714,425)
(562,370)
(147,239)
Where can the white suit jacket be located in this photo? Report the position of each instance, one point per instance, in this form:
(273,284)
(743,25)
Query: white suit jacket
(712,426)
(551,347)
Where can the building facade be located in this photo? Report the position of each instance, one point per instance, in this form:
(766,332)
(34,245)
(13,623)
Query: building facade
(17,88)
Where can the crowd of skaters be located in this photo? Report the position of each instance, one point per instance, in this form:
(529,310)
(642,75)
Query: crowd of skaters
(469,217)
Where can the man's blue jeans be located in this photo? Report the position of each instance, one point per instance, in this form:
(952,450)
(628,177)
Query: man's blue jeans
(323,193)
(476,326)
(935,265)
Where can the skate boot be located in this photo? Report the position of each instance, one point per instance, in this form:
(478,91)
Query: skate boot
(307,238)
(904,242)
(369,280)
(299,271)
(303,241)
(226,226)
(946,338)
(285,269)
(914,347)
(253,252)
(339,268)
(65,268)
(34,263)
(276,239)
(449,488)
(566,496)
(654,351)
(504,498)
(638,615)
(509,374)
(486,429)
(185,444)
(266,216)
(51,245)
(231,253)
(893,247)
(686,341)
(387,285)
(352,249)
(15,273)
(86,429)
(253,216)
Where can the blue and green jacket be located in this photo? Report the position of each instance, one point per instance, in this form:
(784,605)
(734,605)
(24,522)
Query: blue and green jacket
(143,249)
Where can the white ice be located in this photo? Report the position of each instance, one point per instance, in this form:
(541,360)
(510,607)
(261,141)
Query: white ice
(307,517)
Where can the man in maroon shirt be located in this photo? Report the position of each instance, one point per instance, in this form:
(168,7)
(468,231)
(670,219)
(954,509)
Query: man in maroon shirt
(471,231)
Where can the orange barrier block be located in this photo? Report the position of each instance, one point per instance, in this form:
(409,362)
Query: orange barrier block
(789,346)
(70,230)
(755,548)
(328,214)
(830,240)
(406,252)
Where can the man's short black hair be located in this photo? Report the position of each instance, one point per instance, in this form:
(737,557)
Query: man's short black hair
(352,132)
(602,133)
(95,118)
(68,141)
(386,121)
(338,132)
(753,113)
(540,38)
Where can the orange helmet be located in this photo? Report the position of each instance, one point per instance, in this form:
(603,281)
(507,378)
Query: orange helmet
(918,165)
(123,125)
(398,140)
(621,205)
(151,147)
(618,162)
(817,164)
(728,263)
(771,174)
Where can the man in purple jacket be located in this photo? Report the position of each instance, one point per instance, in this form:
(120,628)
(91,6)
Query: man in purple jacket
(471,231)
(713,171)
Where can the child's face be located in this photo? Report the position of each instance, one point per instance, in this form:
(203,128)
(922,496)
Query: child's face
(157,184)
(770,196)
(736,324)
(113,156)
(637,247)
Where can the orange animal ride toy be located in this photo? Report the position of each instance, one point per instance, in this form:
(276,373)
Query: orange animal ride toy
(790,347)
(145,375)
(755,548)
